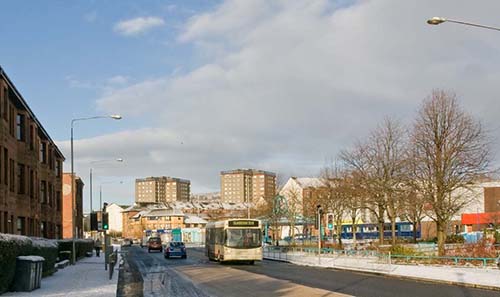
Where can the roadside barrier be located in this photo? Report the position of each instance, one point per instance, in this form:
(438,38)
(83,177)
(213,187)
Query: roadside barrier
(112,262)
(366,259)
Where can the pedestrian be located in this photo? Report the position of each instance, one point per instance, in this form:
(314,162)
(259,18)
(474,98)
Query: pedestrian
(97,246)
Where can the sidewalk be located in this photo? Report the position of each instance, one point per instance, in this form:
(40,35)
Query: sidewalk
(86,278)
(487,278)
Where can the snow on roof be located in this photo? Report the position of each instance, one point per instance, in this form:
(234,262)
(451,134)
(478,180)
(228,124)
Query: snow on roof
(31,258)
(132,208)
(309,182)
(163,213)
(194,220)
(140,214)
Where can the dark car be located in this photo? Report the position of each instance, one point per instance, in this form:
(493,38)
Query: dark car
(127,242)
(175,249)
(154,244)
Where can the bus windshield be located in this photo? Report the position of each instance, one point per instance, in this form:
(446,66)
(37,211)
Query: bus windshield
(243,238)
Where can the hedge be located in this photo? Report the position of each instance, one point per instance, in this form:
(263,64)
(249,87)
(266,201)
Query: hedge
(82,246)
(12,246)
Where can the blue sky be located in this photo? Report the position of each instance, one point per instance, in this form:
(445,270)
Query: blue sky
(61,54)
(206,86)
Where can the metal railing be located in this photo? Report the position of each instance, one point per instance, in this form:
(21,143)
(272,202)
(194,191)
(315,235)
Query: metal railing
(112,262)
(367,259)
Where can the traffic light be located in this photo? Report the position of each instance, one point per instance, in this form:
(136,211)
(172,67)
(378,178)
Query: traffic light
(330,221)
(105,221)
(93,221)
(317,217)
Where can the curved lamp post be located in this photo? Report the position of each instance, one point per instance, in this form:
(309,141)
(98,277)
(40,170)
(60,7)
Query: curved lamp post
(73,196)
(440,20)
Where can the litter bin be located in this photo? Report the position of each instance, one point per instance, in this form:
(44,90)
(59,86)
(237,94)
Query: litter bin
(28,273)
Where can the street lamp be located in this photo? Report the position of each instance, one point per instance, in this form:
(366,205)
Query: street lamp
(91,188)
(440,20)
(73,196)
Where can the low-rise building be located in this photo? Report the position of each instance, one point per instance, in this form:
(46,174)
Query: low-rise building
(165,217)
(115,217)
(72,202)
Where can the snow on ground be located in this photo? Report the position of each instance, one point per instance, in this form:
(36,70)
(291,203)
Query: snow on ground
(85,279)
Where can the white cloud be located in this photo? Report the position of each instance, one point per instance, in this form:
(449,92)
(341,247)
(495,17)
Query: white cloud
(118,80)
(138,25)
(286,84)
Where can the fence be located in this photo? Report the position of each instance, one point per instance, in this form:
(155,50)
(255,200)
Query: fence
(366,259)
(362,260)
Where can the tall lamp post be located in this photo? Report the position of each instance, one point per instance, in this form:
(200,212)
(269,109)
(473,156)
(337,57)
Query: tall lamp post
(440,20)
(73,196)
(91,169)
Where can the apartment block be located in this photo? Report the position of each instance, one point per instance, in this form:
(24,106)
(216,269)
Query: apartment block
(161,189)
(247,185)
(72,201)
(30,169)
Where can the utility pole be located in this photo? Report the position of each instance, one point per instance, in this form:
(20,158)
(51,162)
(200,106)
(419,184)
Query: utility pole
(319,210)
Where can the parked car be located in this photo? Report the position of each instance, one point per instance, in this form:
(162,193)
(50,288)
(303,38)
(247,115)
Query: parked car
(175,249)
(154,243)
(127,242)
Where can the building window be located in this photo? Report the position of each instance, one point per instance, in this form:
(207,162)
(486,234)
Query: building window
(20,178)
(43,192)
(12,176)
(58,168)
(6,166)
(11,121)
(43,229)
(51,159)
(43,152)
(58,200)
(21,225)
(5,103)
(32,137)
(32,184)
(50,195)
(20,127)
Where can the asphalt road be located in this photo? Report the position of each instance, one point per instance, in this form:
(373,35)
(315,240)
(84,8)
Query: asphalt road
(196,276)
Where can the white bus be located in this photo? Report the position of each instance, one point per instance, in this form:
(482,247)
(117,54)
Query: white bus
(234,240)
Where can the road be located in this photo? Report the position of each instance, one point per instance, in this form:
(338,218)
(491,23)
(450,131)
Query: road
(196,276)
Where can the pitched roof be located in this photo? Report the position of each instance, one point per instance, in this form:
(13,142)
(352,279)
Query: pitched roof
(194,220)
(309,182)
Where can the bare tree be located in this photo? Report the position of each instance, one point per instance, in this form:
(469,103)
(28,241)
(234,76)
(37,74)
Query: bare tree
(358,160)
(380,164)
(413,199)
(293,208)
(333,196)
(451,151)
(388,161)
(355,196)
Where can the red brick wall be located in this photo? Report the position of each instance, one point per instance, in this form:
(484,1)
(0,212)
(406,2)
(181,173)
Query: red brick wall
(20,195)
(67,206)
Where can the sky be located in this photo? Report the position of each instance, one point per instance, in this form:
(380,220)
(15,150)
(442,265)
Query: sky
(205,86)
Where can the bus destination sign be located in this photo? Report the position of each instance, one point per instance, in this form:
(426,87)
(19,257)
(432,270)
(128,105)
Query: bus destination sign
(243,223)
